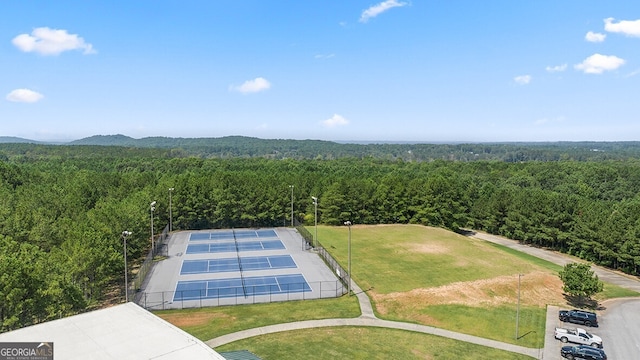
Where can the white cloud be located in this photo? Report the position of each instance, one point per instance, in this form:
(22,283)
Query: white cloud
(633,73)
(557,68)
(378,9)
(549,120)
(522,79)
(335,120)
(24,95)
(597,64)
(252,86)
(595,37)
(627,27)
(324,56)
(45,41)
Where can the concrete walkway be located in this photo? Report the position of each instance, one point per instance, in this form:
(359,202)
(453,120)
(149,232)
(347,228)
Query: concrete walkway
(368,318)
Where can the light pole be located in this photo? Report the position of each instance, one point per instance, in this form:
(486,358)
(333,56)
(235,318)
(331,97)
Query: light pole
(170,215)
(518,306)
(152,208)
(291,186)
(315,203)
(348,223)
(126,280)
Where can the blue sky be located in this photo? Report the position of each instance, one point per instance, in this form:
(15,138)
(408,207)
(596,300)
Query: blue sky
(394,70)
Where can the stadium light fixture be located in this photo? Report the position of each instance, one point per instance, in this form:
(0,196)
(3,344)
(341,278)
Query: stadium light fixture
(291,186)
(126,280)
(152,208)
(170,215)
(315,203)
(348,223)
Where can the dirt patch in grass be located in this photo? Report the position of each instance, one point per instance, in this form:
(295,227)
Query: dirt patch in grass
(536,289)
(428,248)
(185,320)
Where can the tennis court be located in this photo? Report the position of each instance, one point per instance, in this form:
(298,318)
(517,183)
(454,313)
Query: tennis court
(220,247)
(234,287)
(236,264)
(233,235)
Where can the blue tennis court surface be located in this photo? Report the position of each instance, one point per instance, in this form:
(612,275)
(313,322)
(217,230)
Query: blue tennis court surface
(231,235)
(223,288)
(231,246)
(231,264)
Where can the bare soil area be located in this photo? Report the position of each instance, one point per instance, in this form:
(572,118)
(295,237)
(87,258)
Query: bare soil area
(536,289)
(184,320)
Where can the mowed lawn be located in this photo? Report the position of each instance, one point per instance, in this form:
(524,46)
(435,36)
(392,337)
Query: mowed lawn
(397,258)
(435,277)
(364,343)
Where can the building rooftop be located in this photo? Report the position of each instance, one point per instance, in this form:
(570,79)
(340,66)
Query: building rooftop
(124,331)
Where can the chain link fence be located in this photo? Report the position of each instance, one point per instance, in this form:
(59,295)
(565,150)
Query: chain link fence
(160,248)
(332,263)
(207,298)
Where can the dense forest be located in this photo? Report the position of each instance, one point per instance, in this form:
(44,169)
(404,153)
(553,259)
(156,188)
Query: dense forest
(63,208)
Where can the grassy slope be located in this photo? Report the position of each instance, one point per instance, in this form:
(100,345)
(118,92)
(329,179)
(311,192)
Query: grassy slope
(397,260)
(404,257)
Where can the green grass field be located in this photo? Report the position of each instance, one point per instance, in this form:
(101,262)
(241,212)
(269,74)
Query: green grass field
(405,257)
(415,274)
(397,260)
(364,343)
(208,323)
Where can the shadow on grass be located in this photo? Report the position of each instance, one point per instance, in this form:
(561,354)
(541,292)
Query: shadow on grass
(525,334)
(580,302)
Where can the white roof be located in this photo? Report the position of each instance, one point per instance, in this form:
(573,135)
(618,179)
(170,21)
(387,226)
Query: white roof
(125,331)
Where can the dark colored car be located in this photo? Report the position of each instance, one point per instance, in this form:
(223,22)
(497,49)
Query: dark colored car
(582,352)
(586,318)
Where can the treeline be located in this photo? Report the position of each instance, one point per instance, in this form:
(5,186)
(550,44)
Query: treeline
(63,209)
(248,147)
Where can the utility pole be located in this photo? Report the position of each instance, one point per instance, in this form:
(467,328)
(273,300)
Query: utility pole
(348,223)
(518,307)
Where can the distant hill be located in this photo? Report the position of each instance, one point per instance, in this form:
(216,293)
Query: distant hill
(250,147)
(16,140)
(106,140)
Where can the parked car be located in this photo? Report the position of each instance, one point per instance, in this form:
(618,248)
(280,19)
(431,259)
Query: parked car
(578,336)
(582,352)
(586,318)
